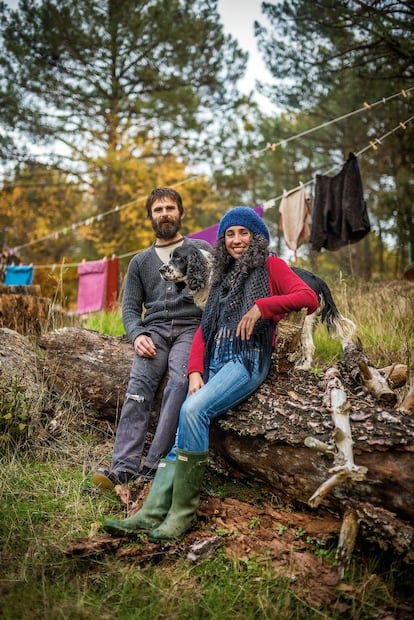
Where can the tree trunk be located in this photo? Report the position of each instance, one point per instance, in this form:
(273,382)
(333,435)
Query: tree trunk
(23,309)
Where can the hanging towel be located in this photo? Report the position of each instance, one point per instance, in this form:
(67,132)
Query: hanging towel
(294,215)
(112,283)
(340,213)
(18,275)
(92,286)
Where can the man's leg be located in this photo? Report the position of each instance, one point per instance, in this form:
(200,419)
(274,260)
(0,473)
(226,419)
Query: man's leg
(146,375)
(174,394)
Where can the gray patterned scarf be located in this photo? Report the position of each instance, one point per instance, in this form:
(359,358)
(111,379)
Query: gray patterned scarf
(228,301)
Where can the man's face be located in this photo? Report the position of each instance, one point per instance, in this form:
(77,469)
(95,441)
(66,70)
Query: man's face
(165,218)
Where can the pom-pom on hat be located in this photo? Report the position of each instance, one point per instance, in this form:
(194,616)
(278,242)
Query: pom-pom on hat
(243,216)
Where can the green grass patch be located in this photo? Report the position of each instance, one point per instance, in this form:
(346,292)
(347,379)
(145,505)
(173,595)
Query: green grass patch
(109,323)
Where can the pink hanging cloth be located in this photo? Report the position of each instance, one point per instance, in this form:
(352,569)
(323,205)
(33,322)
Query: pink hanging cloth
(92,286)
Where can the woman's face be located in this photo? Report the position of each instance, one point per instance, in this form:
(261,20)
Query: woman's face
(237,239)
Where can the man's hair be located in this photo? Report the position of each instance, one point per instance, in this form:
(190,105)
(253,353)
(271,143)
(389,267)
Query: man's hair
(162,193)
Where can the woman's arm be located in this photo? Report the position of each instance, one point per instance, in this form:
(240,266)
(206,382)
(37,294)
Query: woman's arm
(288,292)
(197,351)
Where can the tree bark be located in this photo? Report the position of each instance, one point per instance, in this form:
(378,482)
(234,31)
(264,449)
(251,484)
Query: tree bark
(24,313)
(92,366)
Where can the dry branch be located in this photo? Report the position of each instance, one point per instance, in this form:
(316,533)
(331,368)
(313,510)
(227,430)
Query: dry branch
(376,384)
(395,375)
(344,469)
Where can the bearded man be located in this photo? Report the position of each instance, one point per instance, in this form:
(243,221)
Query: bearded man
(160,322)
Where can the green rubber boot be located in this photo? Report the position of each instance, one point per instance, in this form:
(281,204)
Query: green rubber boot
(155,507)
(189,472)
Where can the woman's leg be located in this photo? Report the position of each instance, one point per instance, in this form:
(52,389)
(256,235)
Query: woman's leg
(228,387)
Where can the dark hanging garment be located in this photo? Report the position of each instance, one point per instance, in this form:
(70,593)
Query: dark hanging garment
(340,213)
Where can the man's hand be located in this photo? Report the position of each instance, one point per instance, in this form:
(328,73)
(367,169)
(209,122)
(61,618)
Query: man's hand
(144,346)
(247,322)
(195,382)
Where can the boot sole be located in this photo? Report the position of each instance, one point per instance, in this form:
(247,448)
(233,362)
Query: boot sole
(119,531)
(114,531)
(102,481)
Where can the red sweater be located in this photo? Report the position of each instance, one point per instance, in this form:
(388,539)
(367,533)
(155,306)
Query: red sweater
(287,292)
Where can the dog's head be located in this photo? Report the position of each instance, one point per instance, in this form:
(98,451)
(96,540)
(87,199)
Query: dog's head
(188,264)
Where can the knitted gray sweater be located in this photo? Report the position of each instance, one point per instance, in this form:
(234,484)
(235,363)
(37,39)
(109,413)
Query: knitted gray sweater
(148,299)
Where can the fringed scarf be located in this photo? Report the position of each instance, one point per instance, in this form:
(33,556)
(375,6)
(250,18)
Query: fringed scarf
(228,301)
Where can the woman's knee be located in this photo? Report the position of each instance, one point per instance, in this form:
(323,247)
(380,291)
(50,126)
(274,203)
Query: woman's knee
(193,412)
(188,410)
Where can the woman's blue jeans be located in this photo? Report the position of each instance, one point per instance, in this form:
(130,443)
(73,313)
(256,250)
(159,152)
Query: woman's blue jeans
(229,383)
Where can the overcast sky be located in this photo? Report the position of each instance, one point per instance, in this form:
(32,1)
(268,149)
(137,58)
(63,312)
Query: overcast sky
(238,18)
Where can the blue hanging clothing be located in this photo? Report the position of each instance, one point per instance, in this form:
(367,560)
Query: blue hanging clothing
(18,275)
(340,213)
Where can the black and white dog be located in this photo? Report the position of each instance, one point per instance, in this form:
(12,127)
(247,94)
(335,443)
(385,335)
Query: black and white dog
(192,266)
(338,326)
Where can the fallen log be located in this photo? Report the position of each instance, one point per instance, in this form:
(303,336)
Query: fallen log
(19,364)
(92,366)
(107,361)
(265,437)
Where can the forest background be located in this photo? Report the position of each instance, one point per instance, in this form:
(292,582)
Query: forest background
(103,101)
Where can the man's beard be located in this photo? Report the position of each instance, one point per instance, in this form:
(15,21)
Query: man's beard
(166,230)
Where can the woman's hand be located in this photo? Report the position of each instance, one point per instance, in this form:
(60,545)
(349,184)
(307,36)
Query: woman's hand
(247,322)
(195,382)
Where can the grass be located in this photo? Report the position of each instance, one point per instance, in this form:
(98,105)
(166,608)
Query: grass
(46,501)
(384,315)
(106,323)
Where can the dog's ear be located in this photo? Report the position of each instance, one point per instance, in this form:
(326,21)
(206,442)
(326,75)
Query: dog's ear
(197,272)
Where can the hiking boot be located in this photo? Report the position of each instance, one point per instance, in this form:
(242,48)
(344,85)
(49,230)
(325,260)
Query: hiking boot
(146,474)
(105,479)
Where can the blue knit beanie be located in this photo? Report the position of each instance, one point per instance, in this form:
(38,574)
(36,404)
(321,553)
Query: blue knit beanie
(243,216)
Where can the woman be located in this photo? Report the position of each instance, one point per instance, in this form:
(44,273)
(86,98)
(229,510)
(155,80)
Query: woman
(230,357)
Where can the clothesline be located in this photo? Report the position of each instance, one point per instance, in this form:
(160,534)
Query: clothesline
(366,106)
(62,265)
(373,144)
(272,146)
